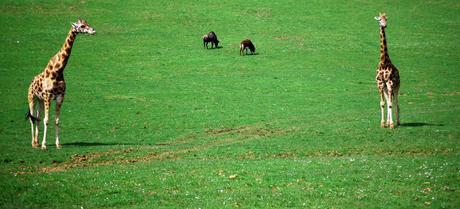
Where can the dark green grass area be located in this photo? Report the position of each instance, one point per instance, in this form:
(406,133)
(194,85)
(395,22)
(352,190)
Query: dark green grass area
(153,120)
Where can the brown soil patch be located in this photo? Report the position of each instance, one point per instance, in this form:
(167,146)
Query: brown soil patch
(281,38)
(451,94)
(245,130)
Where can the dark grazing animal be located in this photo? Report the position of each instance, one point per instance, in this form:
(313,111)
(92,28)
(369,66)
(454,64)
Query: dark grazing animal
(210,37)
(245,45)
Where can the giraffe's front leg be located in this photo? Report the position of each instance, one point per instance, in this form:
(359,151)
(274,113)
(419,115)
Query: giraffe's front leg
(396,104)
(47,102)
(59,101)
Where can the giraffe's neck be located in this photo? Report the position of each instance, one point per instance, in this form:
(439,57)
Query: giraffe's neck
(384,57)
(66,49)
(59,61)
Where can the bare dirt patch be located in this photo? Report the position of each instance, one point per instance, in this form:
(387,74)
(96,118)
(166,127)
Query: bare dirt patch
(451,94)
(281,38)
(245,130)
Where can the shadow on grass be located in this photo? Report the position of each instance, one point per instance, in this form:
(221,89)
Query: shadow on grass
(250,54)
(89,144)
(419,124)
(219,47)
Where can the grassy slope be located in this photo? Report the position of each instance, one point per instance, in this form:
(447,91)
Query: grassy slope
(160,121)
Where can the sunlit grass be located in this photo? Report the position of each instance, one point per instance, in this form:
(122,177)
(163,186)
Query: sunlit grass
(151,119)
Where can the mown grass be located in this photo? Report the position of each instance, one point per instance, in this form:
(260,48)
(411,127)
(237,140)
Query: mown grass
(151,119)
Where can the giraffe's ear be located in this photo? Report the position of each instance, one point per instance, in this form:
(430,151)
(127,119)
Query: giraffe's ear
(377,18)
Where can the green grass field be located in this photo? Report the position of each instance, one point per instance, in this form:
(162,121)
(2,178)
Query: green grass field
(153,120)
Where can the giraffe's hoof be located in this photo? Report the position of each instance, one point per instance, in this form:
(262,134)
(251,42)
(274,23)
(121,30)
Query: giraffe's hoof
(392,125)
(44,147)
(35,145)
(382,125)
(58,146)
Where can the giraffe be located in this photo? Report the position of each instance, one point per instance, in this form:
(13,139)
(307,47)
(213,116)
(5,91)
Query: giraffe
(387,79)
(50,85)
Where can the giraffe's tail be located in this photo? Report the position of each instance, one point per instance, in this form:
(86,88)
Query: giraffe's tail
(31,117)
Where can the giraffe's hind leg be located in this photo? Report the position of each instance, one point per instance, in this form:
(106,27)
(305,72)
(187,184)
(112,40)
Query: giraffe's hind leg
(33,122)
(37,122)
(387,99)
(382,108)
(390,107)
(396,105)
(382,94)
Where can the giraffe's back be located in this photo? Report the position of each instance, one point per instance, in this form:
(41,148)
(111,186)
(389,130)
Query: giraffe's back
(388,73)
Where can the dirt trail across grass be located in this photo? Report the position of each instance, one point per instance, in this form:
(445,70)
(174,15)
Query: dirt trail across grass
(189,145)
(172,151)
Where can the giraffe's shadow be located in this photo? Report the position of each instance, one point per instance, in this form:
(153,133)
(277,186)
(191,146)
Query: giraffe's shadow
(419,124)
(90,144)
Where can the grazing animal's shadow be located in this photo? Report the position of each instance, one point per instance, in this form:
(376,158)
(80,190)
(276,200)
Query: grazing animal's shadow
(419,124)
(251,54)
(219,47)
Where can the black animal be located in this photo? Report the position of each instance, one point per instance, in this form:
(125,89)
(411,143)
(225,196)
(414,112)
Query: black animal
(245,45)
(210,37)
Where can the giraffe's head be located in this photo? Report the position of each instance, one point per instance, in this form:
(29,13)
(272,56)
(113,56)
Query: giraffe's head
(81,26)
(382,18)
